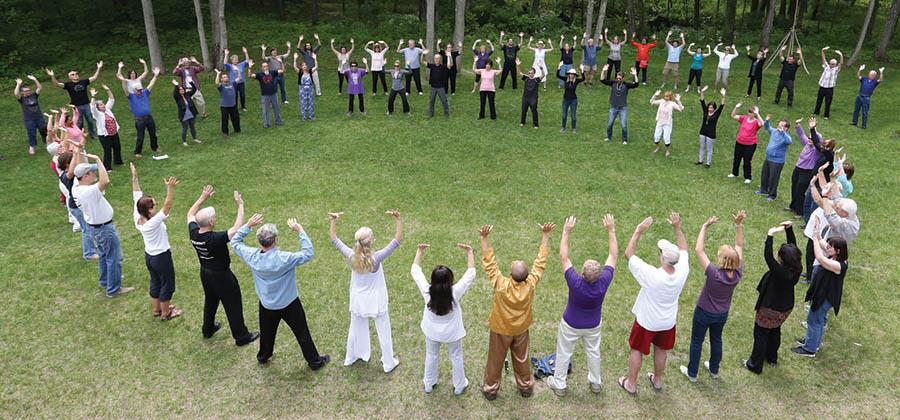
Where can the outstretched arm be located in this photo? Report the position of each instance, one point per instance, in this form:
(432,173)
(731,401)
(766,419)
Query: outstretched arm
(700,247)
(610,223)
(739,233)
(332,224)
(100,66)
(680,240)
(398,225)
(170,194)
(564,244)
(636,237)
(208,191)
(239,217)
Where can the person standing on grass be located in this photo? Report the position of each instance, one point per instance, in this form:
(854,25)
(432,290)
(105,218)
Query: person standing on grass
(438,74)
(867,86)
(482,58)
(570,98)
(805,168)
(745,146)
(139,102)
(566,58)
(540,60)
(219,283)
(510,52)
(614,58)
(618,100)
(789,67)
(656,306)
(187,111)
(776,153)
(343,59)
(78,94)
(755,74)
(714,301)
(825,165)
(673,60)
(73,132)
(98,214)
(187,71)
(582,318)
(451,55)
(355,86)
(368,292)
(442,321)
(530,83)
(107,127)
(133,80)
(642,58)
(31,111)
(724,66)
(411,55)
(836,217)
(150,220)
(275,280)
(266,79)
(589,58)
(711,114)
(830,70)
(228,93)
(309,57)
(696,65)
(666,107)
(377,54)
(276,62)
(67,180)
(305,88)
(486,88)
(776,297)
(511,314)
(236,71)
(397,89)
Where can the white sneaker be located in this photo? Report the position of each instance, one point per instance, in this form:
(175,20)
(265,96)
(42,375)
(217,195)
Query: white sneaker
(286,102)
(747,181)
(712,375)
(731,175)
(606,139)
(161,157)
(76,228)
(551,383)
(684,370)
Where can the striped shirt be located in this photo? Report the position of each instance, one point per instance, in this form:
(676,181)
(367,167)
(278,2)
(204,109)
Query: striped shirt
(829,76)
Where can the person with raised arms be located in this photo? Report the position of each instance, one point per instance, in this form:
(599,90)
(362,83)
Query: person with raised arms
(267,92)
(309,57)
(830,70)
(31,111)
(438,75)
(566,58)
(570,98)
(107,127)
(355,86)
(724,66)
(867,86)
(139,102)
(411,55)
(745,145)
(757,62)
(530,82)
(642,58)
(711,114)
(133,80)
(696,71)
(397,89)
(77,88)
(673,61)
(776,154)
(482,57)
(664,121)
(236,70)
(276,62)
(486,89)
(377,53)
(451,55)
(305,86)
(343,59)
(618,100)
(228,100)
(589,57)
(789,67)
(540,58)
(614,58)
(187,111)
(510,56)
(187,70)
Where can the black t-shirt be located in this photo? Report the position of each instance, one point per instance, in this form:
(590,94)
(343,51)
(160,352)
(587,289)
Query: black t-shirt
(68,183)
(211,247)
(618,93)
(31,109)
(438,76)
(266,82)
(708,128)
(530,90)
(78,92)
(826,285)
(569,87)
(789,70)
(509,53)
(453,55)
(567,56)
(755,67)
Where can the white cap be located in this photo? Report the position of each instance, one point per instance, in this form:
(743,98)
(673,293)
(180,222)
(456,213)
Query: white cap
(670,253)
(53,148)
(571,71)
(83,168)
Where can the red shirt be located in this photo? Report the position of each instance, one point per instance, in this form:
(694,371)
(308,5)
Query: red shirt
(643,50)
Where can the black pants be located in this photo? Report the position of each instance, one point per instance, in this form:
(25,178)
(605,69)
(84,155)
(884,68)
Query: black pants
(341,79)
(810,258)
(694,73)
(529,103)
(613,64)
(162,275)
(743,152)
(362,105)
(453,82)
(642,71)
(766,342)
(295,317)
(826,94)
(222,286)
(509,68)
(758,81)
(376,76)
(185,125)
(799,184)
(489,97)
(140,125)
(240,91)
(785,84)
(393,95)
(112,150)
(230,112)
(414,75)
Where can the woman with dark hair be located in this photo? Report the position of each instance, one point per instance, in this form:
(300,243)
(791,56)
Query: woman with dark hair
(570,98)
(133,81)
(150,220)
(776,297)
(825,291)
(343,59)
(377,54)
(187,112)
(486,86)
(711,114)
(442,321)
(355,86)
(450,56)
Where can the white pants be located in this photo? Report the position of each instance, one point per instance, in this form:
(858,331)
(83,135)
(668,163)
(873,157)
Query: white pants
(664,131)
(565,344)
(706,145)
(540,70)
(359,345)
(433,358)
(315,79)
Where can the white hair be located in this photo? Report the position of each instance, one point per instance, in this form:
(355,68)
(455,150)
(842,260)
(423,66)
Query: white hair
(267,234)
(205,216)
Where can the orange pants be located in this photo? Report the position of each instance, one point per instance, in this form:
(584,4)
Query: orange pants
(498,346)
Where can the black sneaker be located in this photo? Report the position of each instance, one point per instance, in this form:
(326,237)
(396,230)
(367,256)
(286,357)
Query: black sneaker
(216,327)
(323,360)
(800,341)
(800,351)
(251,338)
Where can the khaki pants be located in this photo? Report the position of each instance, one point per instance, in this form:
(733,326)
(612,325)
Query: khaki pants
(498,346)
(200,103)
(670,69)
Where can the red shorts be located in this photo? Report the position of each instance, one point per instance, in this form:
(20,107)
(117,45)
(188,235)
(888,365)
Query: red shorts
(641,338)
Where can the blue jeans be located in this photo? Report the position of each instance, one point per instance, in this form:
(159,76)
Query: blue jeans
(715,323)
(88,248)
(110,265)
(34,126)
(862,103)
(622,113)
(566,105)
(809,205)
(87,118)
(815,323)
(279,80)
(562,72)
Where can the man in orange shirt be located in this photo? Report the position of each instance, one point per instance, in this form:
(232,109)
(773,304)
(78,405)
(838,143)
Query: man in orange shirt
(511,314)
(642,59)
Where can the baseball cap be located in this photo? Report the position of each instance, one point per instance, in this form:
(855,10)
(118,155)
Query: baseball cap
(53,148)
(670,253)
(571,71)
(83,168)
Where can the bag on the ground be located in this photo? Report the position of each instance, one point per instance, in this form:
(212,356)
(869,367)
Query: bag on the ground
(544,366)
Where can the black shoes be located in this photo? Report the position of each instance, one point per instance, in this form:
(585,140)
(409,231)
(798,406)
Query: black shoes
(323,360)
(254,335)
(216,327)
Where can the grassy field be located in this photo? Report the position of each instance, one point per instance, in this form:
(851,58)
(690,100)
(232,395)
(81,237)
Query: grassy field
(68,351)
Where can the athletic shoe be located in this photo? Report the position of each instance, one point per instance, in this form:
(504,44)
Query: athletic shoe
(562,130)
(684,370)
(120,292)
(606,139)
(31,150)
(732,176)
(560,392)
(624,143)
(758,192)
(198,141)
(770,198)
(708,166)
(595,388)
(420,94)
(747,181)
(574,131)
(184,143)
(698,163)
(712,375)
(800,351)
(461,390)
(286,102)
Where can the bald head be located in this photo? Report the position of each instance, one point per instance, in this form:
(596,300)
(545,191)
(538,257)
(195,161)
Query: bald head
(518,271)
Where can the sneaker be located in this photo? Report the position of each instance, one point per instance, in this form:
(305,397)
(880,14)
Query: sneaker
(198,141)
(698,163)
(596,388)
(76,228)
(747,181)
(121,291)
(31,150)
(253,337)
(800,341)
(428,389)
(712,375)
(708,166)
(551,383)
(364,113)
(732,176)
(770,198)
(624,143)
(161,157)
(324,359)
(562,130)
(461,390)
(349,114)
(668,152)
(184,143)
(286,102)
(137,156)
(420,94)
(800,351)
(574,131)
(684,370)
(758,192)
(606,139)
(245,109)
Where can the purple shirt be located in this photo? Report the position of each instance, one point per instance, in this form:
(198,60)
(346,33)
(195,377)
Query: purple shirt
(355,81)
(583,310)
(716,294)
(809,155)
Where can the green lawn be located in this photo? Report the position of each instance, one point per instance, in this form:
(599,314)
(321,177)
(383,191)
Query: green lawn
(68,351)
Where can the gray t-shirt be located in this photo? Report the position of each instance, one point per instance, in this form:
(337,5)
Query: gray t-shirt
(227,99)
(31,109)
(397,79)
(411,55)
(274,63)
(615,52)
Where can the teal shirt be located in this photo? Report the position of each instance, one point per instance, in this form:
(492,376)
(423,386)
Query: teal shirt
(697,62)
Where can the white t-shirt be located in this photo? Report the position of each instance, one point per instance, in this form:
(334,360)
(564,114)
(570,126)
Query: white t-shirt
(725,60)
(92,203)
(449,327)
(154,231)
(656,306)
(377,59)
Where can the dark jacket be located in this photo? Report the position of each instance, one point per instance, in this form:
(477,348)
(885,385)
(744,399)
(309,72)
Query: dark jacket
(826,285)
(186,102)
(776,288)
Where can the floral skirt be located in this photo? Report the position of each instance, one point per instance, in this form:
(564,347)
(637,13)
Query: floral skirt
(770,318)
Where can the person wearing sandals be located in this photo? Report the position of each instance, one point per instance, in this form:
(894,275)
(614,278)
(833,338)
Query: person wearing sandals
(776,297)
(714,301)
(442,321)
(582,318)
(150,220)
(656,306)
(368,292)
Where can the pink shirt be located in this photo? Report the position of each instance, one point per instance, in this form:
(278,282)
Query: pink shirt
(747,132)
(487,80)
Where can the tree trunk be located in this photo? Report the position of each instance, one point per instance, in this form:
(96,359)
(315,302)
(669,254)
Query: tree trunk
(697,14)
(782,8)
(642,17)
(589,17)
(314,11)
(754,5)
(152,38)
(601,16)
(730,15)
(279,5)
(767,28)
(889,25)
(459,22)
(422,10)
(220,31)
(815,13)
(429,25)
(862,33)
(629,15)
(204,49)
(872,24)
(535,7)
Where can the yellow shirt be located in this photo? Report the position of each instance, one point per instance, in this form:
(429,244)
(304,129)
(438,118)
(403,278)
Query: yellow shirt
(511,313)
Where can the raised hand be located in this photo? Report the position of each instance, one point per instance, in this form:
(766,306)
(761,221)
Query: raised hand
(570,224)
(674,219)
(393,213)
(255,220)
(93,92)
(644,225)
(238,198)
(141,60)
(170,182)
(657,93)
(722,91)
(464,247)
(609,222)
(207,192)
(335,215)
(104,86)
(485,230)
(293,225)
(156,71)
(548,227)
(704,88)
(811,122)
(422,247)
(862,67)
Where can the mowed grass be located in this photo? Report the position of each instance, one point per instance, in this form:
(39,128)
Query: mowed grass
(68,351)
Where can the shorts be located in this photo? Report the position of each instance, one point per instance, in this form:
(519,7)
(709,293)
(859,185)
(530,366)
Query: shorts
(162,275)
(641,338)
(590,67)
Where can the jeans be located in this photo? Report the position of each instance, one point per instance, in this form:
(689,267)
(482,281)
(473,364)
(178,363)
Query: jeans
(110,251)
(140,125)
(825,94)
(402,94)
(185,125)
(769,178)
(566,105)
(641,70)
(279,80)
(862,104)
(715,323)
(433,357)
(785,84)
(266,101)
(816,320)
(706,145)
(622,113)
(88,248)
(440,93)
(566,338)
(241,95)
(562,72)
(39,125)
(743,152)
(86,116)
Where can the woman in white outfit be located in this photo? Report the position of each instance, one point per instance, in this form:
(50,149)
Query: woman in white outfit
(724,66)
(442,318)
(666,105)
(368,292)
(377,54)
(540,65)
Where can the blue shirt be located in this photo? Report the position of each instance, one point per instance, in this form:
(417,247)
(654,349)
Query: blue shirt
(235,70)
(776,150)
(273,270)
(697,62)
(140,105)
(590,54)
(867,86)
(481,59)
(411,55)
(226,91)
(674,53)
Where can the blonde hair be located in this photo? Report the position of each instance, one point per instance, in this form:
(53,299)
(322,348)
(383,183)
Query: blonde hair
(362,261)
(728,258)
